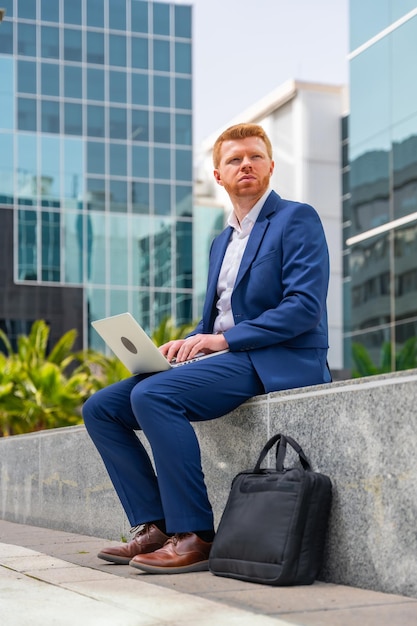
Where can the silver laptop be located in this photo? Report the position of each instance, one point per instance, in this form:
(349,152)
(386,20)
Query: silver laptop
(129,342)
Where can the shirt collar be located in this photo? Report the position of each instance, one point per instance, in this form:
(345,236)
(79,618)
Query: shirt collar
(251,217)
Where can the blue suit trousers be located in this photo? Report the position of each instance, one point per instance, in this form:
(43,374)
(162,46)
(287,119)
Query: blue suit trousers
(163,405)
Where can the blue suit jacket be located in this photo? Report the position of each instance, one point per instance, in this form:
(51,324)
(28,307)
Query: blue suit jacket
(279,298)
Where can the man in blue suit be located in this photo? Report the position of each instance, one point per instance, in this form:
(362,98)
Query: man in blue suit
(265,305)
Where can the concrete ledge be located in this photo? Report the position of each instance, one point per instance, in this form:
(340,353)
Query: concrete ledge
(362,433)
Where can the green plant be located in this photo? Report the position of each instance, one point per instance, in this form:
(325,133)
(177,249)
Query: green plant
(405,359)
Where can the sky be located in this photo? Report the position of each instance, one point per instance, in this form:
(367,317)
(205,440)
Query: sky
(244,49)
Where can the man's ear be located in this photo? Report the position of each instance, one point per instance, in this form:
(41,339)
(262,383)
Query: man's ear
(217,177)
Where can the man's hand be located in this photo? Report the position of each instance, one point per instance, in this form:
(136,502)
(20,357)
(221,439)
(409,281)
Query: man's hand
(184,349)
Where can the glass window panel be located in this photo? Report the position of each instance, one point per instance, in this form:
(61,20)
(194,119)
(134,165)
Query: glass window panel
(160,18)
(6,168)
(8,5)
(49,116)
(27,245)
(95,47)
(95,84)
(184,201)
(162,199)
(399,8)
(161,91)
(118,256)
(162,127)
(140,55)
(161,55)
(26,77)
(73,119)
(73,169)
(49,11)
(182,57)
(184,308)
(119,301)
(26,10)
(118,196)
(117,50)
(26,114)
(95,13)
(50,42)
(72,44)
(72,12)
(139,233)
(183,93)
(6,39)
(140,161)
(184,262)
(50,79)
(404,166)
(51,246)
(140,197)
(117,86)
(74,238)
(140,125)
(96,157)
(404,47)
(118,159)
(162,163)
(183,129)
(98,250)
(7,95)
(140,89)
(73,81)
(117,123)
(365,22)
(117,14)
(26,38)
(162,306)
(95,121)
(139,16)
(163,254)
(50,167)
(7,111)
(182,21)
(96,194)
(183,164)
(26,165)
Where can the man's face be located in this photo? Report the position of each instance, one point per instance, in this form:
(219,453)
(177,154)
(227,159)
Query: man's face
(245,167)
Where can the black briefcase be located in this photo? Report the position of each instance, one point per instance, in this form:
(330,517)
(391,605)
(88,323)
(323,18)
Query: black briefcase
(273,527)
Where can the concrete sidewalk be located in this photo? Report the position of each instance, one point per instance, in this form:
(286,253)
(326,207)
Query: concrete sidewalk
(50,577)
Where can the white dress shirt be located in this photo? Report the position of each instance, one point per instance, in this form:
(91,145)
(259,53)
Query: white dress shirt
(231,264)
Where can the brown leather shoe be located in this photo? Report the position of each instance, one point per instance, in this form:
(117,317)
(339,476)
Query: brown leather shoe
(147,539)
(184,552)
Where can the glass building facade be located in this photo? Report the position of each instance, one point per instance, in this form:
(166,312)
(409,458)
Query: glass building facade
(96,161)
(380,178)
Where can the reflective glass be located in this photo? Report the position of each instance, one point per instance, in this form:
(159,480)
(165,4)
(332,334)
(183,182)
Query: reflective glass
(96,194)
(26,10)
(403,90)
(6,39)
(140,89)
(73,81)
(50,11)
(184,263)
(162,127)
(163,253)
(51,246)
(26,77)
(162,306)
(182,93)
(182,21)
(119,301)
(182,57)
(140,125)
(72,44)
(404,167)
(49,116)
(183,165)
(184,308)
(117,123)
(365,21)
(405,255)
(7,93)
(50,79)
(27,245)
(401,7)
(139,16)
(138,230)
(96,310)
(161,55)
(50,42)
(74,239)
(26,165)
(8,5)
(95,121)
(50,167)
(95,13)
(95,84)
(140,197)
(162,163)
(26,39)
(140,161)
(160,18)
(117,86)
(184,201)
(162,199)
(6,168)
(73,170)
(118,159)
(118,195)
(98,249)
(140,55)
(117,50)
(26,114)
(183,129)
(72,12)
(95,47)
(96,157)
(161,91)
(117,15)
(73,118)
(117,252)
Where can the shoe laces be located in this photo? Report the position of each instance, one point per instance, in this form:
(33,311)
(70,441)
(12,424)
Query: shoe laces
(139,529)
(177,537)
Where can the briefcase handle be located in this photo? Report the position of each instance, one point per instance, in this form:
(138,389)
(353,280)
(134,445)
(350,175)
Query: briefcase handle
(281,451)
